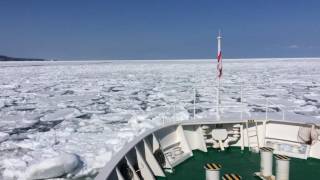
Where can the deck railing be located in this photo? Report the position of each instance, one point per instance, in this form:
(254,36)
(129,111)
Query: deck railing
(242,92)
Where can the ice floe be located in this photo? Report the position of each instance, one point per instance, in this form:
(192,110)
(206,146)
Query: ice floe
(63,164)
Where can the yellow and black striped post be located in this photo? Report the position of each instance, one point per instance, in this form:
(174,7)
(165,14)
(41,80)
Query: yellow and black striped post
(231,176)
(266,161)
(212,171)
(282,167)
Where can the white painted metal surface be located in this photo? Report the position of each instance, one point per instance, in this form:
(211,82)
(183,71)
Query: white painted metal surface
(220,135)
(212,174)
(152,162)
(266,163)
(119,175)
(135,175)
(282,169)
(193,135)
(143,166)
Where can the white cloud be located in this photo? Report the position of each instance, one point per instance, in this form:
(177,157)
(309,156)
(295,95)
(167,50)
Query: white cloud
(293,46)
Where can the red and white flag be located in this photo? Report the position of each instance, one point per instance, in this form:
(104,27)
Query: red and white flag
(219,57)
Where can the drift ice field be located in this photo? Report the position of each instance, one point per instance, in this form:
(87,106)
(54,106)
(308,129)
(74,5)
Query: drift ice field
(72,117)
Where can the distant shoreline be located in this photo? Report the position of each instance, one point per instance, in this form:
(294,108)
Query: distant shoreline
(8,58)
(15,59)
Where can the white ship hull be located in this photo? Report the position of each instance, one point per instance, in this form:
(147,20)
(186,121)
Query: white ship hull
(177,140)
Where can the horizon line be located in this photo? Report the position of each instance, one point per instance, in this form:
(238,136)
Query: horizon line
(182,59)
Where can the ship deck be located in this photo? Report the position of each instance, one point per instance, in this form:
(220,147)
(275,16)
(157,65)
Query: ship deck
(244,163)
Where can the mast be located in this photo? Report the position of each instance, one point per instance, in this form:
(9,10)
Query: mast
(219,73)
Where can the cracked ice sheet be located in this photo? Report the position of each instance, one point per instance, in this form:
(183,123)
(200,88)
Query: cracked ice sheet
(93,109)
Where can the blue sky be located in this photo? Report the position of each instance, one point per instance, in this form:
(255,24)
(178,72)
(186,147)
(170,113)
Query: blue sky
(159,29)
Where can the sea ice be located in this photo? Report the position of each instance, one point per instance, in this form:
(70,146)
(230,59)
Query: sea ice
(52,168)
(92,109)
(3,136)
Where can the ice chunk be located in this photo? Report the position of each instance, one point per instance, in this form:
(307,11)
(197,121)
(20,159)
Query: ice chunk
(3,136)
(102,158)
(54,167)
(61,114)
(16,163)
(13,168)
(2,103)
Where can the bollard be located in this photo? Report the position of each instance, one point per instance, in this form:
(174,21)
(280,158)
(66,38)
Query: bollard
(212,171)
(282,167)
(266,161)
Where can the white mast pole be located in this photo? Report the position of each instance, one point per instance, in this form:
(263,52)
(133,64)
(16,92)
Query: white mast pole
(219,73)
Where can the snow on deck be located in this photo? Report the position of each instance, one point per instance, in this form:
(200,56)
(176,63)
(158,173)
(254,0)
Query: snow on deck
(92,109)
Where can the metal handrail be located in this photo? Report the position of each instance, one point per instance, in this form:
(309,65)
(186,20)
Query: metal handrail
(282,110)
(242,107)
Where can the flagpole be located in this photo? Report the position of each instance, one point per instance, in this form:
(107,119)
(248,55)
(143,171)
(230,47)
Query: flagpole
(218,100)
(219,74)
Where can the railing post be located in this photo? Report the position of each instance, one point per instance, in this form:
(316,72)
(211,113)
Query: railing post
(241,104)
(163,123)
(241,94)
(267,109)
(174,111)
(194,103)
